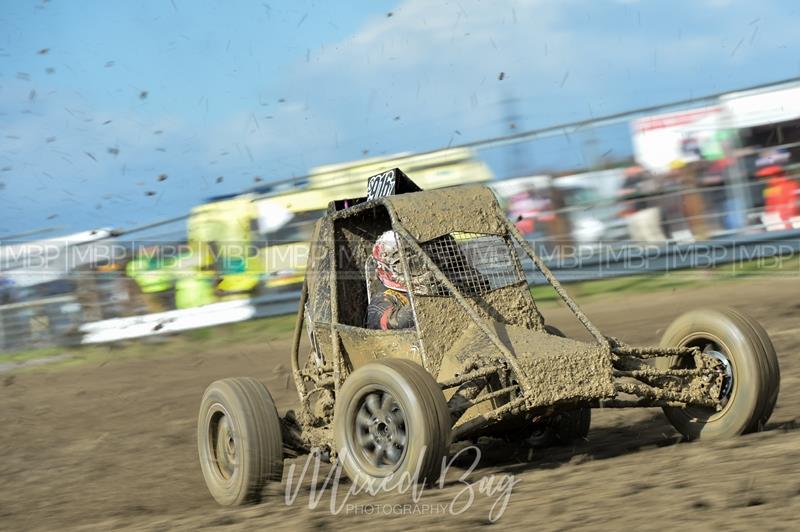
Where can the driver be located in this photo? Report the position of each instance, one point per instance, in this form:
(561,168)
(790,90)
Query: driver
(388,307)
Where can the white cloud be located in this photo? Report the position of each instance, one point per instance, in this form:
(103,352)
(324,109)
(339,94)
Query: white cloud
(435,65)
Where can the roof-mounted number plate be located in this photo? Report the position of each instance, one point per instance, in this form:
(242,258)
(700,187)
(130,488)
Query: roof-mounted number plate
(388,183)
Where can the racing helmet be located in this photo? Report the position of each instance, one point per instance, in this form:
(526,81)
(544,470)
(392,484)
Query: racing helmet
(389,267)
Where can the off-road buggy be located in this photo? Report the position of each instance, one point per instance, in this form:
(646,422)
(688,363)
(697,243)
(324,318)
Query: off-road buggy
(480,360)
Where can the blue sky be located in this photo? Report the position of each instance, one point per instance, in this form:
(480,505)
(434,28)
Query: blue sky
(270,89)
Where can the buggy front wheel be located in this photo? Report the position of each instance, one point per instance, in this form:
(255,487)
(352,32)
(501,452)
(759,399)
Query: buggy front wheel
(391,424)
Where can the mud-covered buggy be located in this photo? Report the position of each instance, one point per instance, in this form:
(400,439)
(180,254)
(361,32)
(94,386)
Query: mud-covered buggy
(479,360)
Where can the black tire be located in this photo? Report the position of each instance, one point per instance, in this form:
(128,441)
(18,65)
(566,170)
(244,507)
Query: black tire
(239,440)
(572,425)
(560,429)
(754,371)
(391,420)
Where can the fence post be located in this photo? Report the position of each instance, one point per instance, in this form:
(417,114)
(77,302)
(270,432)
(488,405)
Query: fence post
(2,331)
(738,187)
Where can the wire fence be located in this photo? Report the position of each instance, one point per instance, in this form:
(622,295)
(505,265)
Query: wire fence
(40,323)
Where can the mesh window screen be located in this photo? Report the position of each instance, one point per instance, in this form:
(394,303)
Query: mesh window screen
(475,263)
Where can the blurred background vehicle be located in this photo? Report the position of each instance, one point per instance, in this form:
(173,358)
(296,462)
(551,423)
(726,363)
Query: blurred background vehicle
(243,245)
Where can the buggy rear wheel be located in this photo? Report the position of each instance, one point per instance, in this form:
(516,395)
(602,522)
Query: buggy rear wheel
(391,424)
(239,440)
(751,377)
(572,425)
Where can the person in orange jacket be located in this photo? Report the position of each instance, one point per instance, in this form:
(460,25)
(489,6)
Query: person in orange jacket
(781,192)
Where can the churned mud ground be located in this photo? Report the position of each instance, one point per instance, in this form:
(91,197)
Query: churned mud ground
(112,445)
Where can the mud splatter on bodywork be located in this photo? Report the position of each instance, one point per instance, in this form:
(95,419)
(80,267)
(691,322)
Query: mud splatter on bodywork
(459,331)
(430,214)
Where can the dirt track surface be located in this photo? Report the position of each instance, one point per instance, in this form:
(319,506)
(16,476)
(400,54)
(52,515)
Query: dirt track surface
(114,447)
